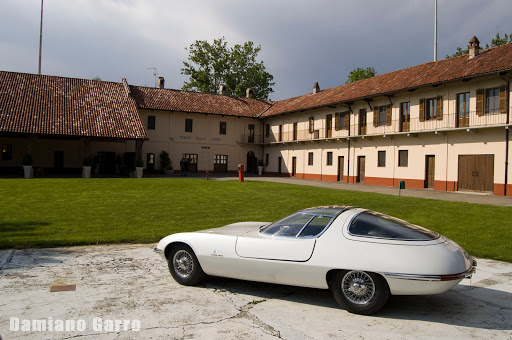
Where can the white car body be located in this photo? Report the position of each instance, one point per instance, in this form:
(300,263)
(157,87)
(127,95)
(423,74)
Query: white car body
(241,251)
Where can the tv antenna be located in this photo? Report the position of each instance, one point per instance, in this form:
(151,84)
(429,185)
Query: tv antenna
(155,72)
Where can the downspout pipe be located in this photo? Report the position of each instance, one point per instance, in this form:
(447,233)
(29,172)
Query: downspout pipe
(507,134)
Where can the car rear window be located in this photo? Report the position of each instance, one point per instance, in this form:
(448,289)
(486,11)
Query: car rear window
(372,224)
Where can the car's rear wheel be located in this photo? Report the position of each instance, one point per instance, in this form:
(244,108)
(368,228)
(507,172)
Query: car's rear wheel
(360,292)
(184,266)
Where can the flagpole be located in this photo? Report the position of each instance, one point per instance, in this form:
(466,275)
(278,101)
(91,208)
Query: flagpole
(435,31)
(40,38)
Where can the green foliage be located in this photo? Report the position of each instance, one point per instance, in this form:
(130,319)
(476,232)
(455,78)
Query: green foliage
(165,161)
(63,212)
(211,65)
(360,73)
(27,159)
(494,42)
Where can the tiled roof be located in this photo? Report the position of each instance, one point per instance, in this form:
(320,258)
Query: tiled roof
(48,105)
(493,60)
(194,102)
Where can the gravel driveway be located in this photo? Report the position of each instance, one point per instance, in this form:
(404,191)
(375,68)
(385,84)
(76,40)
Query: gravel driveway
(126,292)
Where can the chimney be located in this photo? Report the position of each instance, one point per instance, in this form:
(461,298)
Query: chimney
(222,89)
(126,87)
(161,82)
(248,93)
(316,88)
(474,47)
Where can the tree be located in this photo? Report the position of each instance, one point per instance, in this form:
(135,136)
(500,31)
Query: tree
(360,73)
(494,42)
(211,65)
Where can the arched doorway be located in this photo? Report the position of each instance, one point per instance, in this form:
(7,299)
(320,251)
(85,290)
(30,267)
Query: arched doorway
(252,163)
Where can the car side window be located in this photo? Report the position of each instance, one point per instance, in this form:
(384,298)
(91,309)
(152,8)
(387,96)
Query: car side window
(316,226)
(290,226)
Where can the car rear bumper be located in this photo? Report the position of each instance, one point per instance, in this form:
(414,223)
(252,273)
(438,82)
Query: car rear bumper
(450,277)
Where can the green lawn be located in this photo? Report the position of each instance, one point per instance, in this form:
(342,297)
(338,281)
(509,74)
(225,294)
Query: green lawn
(61,212)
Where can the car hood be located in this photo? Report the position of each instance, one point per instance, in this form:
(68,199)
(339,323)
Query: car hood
(235,229)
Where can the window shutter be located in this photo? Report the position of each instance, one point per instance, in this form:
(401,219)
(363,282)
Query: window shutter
(480,102)
(336,121)
(375,116)
(439,113)
(388,115)
(347,120)
(422,110)
(503,99)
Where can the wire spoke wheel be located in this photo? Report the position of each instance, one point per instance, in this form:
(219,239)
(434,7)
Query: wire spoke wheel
(358,287)
(183,263)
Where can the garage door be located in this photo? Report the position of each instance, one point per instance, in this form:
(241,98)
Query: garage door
(476,172)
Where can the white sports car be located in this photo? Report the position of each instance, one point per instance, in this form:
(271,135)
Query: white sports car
(360,255)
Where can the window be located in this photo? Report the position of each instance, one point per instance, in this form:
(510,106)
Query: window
(220,159)
(7,152)
(220,163)
(381,161)
(294,131)
(403,158)
(222,128)
(430,108)
(492,100)
(266,159)
(188,125)
(308,223)
(329,158)
(280,139)
(267,130)
(151,122)
(310,158)
(382,115)
(375,225)
(462,109)
(251,133)
(341,120)
(311,124)
(405,116)
(362,122)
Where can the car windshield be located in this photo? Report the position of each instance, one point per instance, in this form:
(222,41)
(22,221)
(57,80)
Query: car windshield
(306,223)
(372,224)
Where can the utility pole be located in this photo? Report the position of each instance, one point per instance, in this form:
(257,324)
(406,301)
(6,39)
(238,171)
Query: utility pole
(40,38)
(435,30)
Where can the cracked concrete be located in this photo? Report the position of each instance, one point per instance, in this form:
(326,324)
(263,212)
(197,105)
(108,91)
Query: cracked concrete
(130,282)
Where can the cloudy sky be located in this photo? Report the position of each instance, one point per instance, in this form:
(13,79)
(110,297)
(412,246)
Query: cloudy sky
(302,41)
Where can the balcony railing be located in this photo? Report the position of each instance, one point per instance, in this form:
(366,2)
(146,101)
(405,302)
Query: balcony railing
(449,121)
(250,139)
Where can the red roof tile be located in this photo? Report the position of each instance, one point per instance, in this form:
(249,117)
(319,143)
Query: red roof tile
(183,101)
(34,104)
(493,60)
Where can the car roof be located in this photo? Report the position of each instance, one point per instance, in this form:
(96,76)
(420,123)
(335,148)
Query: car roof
(331,210)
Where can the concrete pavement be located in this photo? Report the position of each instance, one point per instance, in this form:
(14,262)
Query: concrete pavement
(456,196)
(130,282)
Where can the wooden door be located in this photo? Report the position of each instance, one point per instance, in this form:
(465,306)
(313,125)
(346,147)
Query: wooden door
(361,165)
(476,172)
(430,171)
(279,161)
(294,166)
(328,126)
(341,166)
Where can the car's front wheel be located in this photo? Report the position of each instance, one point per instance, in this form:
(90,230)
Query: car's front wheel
(360,292)
(184,266)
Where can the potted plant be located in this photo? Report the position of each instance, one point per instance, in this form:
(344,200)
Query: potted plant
(139,168)
(88,162)
(27,165)
(260,167)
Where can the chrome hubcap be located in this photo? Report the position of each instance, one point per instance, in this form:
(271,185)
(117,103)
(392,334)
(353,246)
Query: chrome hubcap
(183,263)
(358,287)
